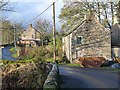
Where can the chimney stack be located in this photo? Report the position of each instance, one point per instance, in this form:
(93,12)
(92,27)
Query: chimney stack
(30,26)
(90,15)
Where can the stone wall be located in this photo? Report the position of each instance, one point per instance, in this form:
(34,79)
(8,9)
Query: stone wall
(52,79)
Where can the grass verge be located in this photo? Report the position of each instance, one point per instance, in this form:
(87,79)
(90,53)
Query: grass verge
(71,64)
(108,68)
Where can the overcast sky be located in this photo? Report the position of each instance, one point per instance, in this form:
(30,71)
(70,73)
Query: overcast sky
(27,10)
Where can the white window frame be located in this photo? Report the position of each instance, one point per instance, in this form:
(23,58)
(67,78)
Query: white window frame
(80,41)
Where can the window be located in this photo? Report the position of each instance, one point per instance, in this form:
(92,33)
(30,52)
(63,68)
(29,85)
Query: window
(79,39)
(32,36)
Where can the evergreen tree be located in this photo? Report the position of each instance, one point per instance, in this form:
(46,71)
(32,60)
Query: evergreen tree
(7,33)
(73,13)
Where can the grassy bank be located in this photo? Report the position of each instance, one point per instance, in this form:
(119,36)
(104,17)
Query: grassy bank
(108,68)
(5,62)
(71,64)
(24,73)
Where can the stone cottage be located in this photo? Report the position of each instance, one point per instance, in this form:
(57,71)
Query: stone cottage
(87,39)
(30,36)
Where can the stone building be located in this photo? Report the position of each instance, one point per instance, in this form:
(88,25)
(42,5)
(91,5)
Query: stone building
(115,36)
(30,36)
(87,39)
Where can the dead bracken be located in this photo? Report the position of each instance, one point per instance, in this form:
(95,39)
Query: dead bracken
(25,75)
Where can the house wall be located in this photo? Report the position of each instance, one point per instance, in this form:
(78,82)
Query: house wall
(115,34)
(96,41)
(25,42)
(67,46)
(29,35)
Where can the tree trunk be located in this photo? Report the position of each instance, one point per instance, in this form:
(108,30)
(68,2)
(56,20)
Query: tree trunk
(99,12)
(111,3)
(106,17)
(42,43)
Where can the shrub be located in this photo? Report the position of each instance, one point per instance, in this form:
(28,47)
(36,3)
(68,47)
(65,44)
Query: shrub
(27,75)
(15,52)
(65,59)
(36,53)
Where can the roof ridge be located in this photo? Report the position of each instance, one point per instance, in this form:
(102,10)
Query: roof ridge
(76,26)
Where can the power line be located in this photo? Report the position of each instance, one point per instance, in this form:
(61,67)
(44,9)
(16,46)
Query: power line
(39,14)
(42,12)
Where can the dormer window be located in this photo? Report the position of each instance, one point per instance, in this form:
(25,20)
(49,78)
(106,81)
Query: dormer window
(79,39)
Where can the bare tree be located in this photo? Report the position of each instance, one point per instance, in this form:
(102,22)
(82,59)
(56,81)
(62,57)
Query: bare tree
(112,12)
(118,12)
(99,15)
(106,15)
(45,28)
(5,5)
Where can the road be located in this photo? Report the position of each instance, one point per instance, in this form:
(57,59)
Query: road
(0,77)
(6,54)
(88,78)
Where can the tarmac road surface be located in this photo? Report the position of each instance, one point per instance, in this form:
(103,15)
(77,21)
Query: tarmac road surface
(75,77)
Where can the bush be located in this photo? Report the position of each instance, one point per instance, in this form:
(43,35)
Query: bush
(36,53)
(14,52)
(65,59)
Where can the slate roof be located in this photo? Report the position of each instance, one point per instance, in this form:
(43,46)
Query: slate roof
(87,18)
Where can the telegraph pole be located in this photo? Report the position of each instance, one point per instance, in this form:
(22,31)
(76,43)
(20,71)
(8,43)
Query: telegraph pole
(14,35)
(54,33)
